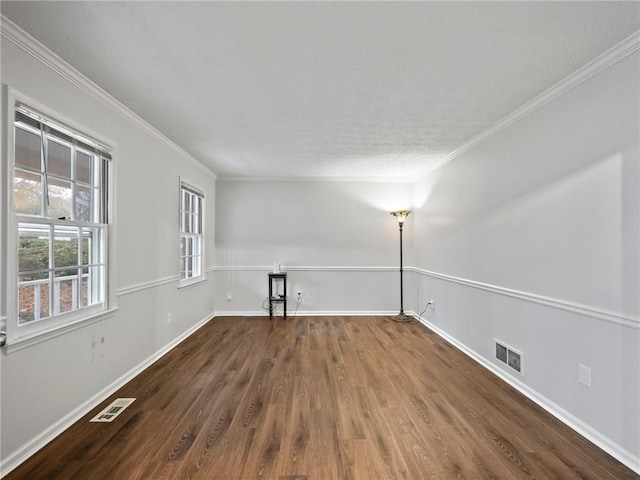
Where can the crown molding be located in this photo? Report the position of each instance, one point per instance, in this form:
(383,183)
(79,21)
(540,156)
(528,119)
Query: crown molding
(19,37)
(326,179)
(612,56)
(13,33)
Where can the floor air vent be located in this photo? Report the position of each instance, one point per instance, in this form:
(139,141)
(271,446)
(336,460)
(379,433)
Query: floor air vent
(113,410)
(509,356)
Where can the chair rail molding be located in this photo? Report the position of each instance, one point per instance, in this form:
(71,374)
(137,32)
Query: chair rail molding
(303,268)
(618,318)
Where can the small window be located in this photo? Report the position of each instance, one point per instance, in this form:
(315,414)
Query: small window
(60,198)
(191,232)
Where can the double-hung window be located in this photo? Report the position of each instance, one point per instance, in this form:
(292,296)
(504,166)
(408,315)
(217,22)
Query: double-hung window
(61,205)
(191,233)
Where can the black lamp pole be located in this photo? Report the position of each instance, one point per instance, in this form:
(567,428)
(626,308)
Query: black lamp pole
(401,215)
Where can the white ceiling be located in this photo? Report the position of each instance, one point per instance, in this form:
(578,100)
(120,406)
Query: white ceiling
(324,89)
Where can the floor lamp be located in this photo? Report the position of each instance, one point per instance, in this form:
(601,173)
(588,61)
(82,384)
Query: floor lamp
(401,215)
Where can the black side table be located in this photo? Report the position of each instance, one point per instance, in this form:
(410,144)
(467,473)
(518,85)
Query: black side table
(274,296)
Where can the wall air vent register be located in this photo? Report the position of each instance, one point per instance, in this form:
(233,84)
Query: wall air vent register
(509,356)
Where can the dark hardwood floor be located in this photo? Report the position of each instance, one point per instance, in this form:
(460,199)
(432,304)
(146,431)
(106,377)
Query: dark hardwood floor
(320,398)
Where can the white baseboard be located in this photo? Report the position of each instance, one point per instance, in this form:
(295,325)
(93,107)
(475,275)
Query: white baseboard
(310,313)
(23,453)
(595,437)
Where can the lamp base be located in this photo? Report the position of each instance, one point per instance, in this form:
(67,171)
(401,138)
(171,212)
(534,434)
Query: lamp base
(402,318)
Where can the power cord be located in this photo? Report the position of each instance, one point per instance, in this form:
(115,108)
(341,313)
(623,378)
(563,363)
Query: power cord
(298,302)
(274,307)
(430,302)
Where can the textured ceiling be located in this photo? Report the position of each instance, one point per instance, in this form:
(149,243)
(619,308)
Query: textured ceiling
(328,89)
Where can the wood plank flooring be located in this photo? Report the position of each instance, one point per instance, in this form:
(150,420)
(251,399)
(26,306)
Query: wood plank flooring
(320,398)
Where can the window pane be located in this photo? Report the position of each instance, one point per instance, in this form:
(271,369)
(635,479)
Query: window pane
(197,256)
(94,282)
(59,160)
(90,292)
(59,198)
(84,164)
(183,200)
(188,267)
(197,241)
(28,150)
(183,267)
(34,276)
(84,208)
(185,222)
(33,297)
(33,248)
(91,246)
(196,205)
(98,206)
(65,246)
(189,246)
(197,224)
(196,265)
(84,287)
(27,192)
(65,291)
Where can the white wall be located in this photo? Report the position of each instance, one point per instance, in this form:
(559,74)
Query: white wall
(530,237)
(538,226)
(50,383)
(336,240)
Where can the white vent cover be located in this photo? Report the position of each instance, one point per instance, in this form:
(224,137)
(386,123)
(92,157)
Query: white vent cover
(113,410)
(509,356)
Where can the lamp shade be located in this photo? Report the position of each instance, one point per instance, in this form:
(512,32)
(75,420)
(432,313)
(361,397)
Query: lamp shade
(401,215)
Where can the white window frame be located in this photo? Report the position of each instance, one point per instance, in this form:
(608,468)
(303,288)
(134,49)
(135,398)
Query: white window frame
(28,333)
(188,236)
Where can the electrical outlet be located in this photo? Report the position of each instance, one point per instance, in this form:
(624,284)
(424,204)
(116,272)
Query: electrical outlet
(299,293)
(584,375)
(229,296)
(169,318)
(432,303)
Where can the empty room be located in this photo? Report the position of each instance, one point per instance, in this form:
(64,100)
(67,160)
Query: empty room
(320,240)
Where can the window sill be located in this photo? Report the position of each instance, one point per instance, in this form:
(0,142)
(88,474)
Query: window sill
(192,282)
(27,341)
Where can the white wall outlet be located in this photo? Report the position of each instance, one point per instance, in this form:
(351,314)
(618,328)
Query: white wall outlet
(229,296)
(432,303)
(584,375)
(169,318)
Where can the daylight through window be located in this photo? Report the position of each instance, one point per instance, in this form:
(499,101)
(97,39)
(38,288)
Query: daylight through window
(60,198)
(191,237)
